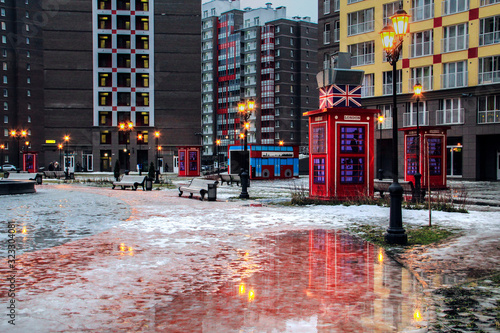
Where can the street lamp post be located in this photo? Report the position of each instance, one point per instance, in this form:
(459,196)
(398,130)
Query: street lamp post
(2,149)
(392,41)
(379,150)
(246,111)
(18,135)
(66,163)
(158,148)
(60,146)
(127,128)
(217,142)
(417,89)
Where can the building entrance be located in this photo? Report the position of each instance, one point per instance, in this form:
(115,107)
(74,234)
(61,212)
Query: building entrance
(454,157)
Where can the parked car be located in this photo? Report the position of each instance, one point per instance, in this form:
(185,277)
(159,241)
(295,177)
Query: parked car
(8,167)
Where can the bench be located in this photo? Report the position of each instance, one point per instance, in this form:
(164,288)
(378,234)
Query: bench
(54,174)
(197,185)
(230,179)
(130,181)
(26,176)
(382,186)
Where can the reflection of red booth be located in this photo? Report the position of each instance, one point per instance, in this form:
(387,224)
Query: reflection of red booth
(341,152)
(432,155)
(189,161)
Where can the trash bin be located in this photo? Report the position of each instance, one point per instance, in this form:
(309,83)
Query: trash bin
(149,184)
(212,192)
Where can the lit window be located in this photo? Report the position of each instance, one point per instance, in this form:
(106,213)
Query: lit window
(29,119)
(4,39)
(5,79)
(4,66)
(27,27)
(3,26)
(28,93)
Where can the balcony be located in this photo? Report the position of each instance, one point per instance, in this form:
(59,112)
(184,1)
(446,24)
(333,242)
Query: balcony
(410,119)
(454,80)
(452,44)
(450,116)
(489,77)
(422,13)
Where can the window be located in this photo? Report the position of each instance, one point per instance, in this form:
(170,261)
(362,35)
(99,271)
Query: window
(277,123)
(389,10)
(326,7)
(291,41)
(454,6)
(4,39)
(29,119)
(5,93)
(292,77)
(292,124)
(291,30)
(28,93)
(4,66)
(422,75)
(5,79)
(5,119)
(422,10)
(29,106)
(3,26)
(28,67)
(352,150)
(450,112)
(4,53)
(336,31)
(28,80)
(291,53)
(277,76)
(362,53)
(256,21)
(489,30)
(488,109)
(105,137)
(454,75)
(27,40)
(336,5)
(292,65)
(5,106)
(27,27)
(455,38)
(387,83)
(421,44)
(277,88)
(27,14)
(326,34)
(360,22)
(489,70)
(28,54)
(368,87)
(489,2)
(2,11)
(277,28)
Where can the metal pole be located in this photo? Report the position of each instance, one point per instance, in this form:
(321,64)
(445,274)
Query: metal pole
(67,161)
(244,174)
(380,170)
(396,233)
(417,175)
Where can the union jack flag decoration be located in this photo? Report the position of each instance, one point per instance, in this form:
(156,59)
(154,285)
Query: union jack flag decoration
(340,95)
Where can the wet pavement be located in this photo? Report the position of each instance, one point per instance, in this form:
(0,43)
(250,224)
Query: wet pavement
(151,261)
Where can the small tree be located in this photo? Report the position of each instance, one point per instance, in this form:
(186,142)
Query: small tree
(116,171)
(151,170)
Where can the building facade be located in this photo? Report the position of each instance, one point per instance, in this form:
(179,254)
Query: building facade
(110,62)
(259,54)
(453,51)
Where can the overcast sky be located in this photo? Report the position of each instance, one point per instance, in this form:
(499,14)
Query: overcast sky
(293,7)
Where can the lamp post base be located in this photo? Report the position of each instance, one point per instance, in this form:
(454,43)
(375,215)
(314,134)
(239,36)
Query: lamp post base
(396,233)
(244,185)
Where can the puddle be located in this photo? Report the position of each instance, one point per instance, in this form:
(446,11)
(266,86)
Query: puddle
(308,281)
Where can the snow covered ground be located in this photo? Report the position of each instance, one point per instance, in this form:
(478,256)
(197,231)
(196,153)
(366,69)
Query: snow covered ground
(96,259)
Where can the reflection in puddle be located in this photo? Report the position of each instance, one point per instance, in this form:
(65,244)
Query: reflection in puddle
(309,281)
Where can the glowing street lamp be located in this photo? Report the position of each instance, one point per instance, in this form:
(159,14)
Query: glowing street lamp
(245,110)
(127,128)
(2,150)
(417,90)
(281,143)
(158,149)
(217,142)
(392,42)
(18,135)
(380,120)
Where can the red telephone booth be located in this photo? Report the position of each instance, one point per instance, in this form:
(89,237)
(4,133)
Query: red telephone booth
(30,162)
(341,152)
(432,155)
(189,161)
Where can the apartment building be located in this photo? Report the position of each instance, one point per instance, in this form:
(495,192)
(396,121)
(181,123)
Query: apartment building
(103,63)
(259,54)
(452,50)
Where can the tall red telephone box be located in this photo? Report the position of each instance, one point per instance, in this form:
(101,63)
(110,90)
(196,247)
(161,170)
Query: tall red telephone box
(189,161)
(341,152)
(30,162)
(432,155)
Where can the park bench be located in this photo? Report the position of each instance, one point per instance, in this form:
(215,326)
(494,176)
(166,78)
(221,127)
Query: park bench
(197,185)
(26,176)
(382,186)
(230,179)
(54,174)
(130,181)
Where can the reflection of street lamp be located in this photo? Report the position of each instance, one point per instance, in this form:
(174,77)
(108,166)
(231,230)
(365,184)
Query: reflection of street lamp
(417,89)
(127,128)
(18,135)
(218,157)
(380,170)
(158,148)
(60,146)
(246,111)
(392,41)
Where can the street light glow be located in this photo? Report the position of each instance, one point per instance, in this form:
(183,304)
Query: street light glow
(400,22)
(417,89)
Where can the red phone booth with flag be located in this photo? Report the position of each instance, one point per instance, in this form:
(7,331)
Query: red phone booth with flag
(341,137)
